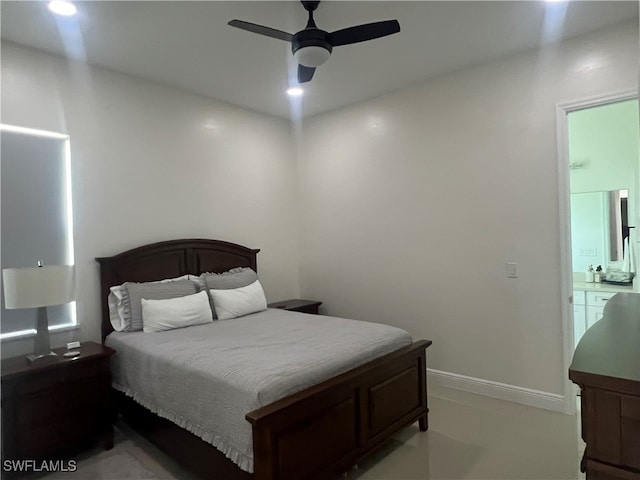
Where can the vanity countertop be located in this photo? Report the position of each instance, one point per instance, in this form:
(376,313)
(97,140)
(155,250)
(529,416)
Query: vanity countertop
(602,287)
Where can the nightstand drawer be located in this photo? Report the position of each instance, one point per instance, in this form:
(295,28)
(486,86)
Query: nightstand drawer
(37,409)
(45,380)
(83,370)
(39,440)
(37,383)
(57,404)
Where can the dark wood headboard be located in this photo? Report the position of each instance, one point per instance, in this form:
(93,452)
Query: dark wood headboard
(169,259)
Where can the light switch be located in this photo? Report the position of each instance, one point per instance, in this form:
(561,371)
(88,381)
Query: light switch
(512,270)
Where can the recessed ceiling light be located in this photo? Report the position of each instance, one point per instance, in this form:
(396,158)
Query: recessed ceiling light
(295,91)
(61,7)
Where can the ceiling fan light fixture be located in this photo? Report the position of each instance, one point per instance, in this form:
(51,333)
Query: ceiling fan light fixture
(294,91)
(312,56)
(62,7)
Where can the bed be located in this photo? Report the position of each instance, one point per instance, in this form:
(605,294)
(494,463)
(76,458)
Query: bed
(318,432)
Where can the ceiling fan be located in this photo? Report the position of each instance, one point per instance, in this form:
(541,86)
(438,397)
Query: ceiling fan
(312,47)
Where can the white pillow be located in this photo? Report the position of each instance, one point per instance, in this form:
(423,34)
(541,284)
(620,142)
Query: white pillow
(159,315)
(118,299)
(236,302)
(116,307)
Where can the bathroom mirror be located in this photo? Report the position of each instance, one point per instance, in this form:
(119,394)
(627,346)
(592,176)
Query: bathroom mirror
(599,225)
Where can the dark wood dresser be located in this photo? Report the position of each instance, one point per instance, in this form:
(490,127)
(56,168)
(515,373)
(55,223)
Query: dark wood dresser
(606,366)
(52,408)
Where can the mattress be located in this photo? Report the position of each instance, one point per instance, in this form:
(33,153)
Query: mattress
(206,378)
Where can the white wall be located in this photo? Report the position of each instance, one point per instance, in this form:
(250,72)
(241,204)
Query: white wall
(605,140)
(153,163)
(414,201)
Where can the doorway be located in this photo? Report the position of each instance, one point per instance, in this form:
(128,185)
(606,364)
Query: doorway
(599,165)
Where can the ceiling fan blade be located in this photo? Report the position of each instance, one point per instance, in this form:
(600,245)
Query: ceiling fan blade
(261,30)
(305,74)
(361,33)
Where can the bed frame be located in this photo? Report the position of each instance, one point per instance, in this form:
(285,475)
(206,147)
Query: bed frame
(317,433)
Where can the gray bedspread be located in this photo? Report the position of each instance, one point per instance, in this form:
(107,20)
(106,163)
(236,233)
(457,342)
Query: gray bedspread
(206,378)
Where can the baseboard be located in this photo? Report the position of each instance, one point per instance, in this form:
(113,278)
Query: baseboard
(502,391)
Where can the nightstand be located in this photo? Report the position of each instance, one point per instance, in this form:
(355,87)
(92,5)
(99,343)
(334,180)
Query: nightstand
(52,408)
(297,305)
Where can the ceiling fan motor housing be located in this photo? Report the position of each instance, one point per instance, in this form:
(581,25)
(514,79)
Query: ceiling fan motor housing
(310,47)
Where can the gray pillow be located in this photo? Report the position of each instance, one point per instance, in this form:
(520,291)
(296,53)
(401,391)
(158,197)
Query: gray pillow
(155,291)
(234,278)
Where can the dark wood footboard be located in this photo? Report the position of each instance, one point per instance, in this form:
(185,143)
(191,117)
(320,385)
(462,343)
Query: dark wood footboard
(326,429)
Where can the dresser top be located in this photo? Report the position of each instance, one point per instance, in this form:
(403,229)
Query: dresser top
(610,349)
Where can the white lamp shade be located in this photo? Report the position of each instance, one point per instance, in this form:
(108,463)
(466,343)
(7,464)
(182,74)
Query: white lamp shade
(38,286)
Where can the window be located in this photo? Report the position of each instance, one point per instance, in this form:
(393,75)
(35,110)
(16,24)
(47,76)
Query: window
(37,220)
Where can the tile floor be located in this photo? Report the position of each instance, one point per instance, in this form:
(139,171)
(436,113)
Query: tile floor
(475,437)
(470,437)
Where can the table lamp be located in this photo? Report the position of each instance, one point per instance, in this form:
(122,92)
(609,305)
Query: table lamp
(39,287)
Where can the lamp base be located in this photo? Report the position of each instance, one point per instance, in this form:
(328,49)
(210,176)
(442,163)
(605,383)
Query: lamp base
(41,358)
(42,352)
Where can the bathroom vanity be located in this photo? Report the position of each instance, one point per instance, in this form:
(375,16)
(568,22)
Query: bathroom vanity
(589,300)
